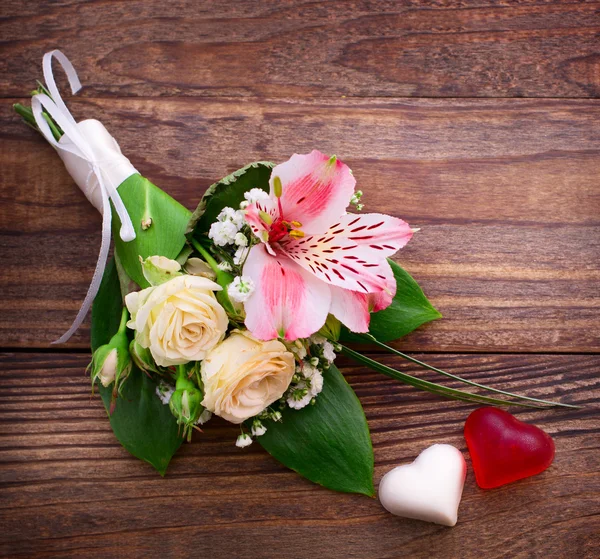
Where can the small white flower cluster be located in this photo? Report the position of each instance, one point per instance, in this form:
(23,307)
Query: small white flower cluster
(204,417)
(240,289)
(226,230)
(258,429)
(164,391)
(252,196)
(307,382)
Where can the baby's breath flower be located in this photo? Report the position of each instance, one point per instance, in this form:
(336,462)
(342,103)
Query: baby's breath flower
(299,397)
(240,255)
(241,240)
(328,352)
(308,370)
(258,429)
(300,352)
(240,289)
(224,266)
(276,416)
(255,195)
(204,417)
(164,392)
(317,339)
(234,216)
(243,440)
(316,383)
(222,232)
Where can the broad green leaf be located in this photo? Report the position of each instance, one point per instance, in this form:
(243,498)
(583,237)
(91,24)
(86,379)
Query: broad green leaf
(228,192)
(143,425)
(409,310)
(164,235)
(328,443)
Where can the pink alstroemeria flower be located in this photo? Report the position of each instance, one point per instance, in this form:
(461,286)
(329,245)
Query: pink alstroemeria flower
(314,258)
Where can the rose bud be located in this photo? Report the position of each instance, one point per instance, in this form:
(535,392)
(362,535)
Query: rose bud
(111,363)
(185,403)
(142,357)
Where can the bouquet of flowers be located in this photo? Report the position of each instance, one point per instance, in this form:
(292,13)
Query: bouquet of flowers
(240,308)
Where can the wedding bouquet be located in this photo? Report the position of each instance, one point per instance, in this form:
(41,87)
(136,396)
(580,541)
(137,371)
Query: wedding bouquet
(240,308)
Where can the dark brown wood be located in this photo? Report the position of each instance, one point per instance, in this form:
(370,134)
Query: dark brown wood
(297,48)
(505,192)
(69,489)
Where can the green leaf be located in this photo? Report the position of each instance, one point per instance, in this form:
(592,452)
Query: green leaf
(409,310)
(328,443)
(441,389)
(143,425)
(228,192)
(164,235)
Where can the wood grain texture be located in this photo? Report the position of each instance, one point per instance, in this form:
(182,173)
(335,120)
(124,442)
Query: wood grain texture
(278,48)
(68,489)
(505,191)
(506,194)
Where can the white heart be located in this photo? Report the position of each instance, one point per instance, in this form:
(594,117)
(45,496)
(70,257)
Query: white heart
(429,489)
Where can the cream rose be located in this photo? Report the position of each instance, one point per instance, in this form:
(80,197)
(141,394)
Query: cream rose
(243,375)
(179,320)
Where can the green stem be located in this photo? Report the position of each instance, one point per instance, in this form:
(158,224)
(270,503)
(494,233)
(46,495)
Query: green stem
(207,256)
(455,377)
(27,115)
(124,319)
(56,132)
(431,386)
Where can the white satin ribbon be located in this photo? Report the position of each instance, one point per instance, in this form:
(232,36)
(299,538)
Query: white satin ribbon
(94,160)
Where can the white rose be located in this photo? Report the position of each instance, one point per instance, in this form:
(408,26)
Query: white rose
(179,320)
(243,375)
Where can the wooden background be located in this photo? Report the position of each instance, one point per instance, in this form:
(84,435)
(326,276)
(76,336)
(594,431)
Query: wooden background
(476,121)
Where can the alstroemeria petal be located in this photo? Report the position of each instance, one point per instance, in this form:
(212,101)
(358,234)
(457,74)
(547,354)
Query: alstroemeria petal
(352,254)
(384,234)
(351,308)
(287,302)
(316,190)
(383,299)
(255,215)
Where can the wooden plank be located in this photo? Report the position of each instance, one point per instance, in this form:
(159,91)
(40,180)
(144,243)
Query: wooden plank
(67,486)
(298,48)
(505,192)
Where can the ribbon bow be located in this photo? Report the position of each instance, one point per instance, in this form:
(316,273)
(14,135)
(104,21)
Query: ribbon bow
(81,147)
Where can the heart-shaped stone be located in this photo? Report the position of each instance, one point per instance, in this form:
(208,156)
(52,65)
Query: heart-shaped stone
(504,449)
(428,489)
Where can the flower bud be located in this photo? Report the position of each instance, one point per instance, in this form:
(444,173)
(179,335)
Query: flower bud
(142,357)
(159,269)
(258,429)
(186,403)
(243,440)
(112,362)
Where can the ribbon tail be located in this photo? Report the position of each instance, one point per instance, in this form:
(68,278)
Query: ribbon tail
(98,273)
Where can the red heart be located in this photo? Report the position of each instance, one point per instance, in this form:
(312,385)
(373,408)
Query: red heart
(504,449)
